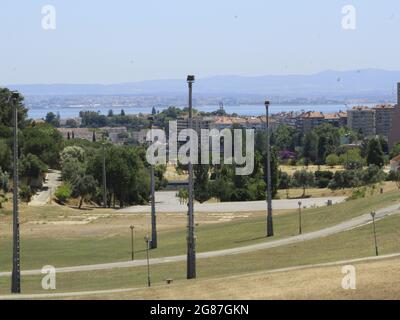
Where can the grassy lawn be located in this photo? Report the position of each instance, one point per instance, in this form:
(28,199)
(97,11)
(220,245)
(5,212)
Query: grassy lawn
(86,247)
(346,245)
(375,280)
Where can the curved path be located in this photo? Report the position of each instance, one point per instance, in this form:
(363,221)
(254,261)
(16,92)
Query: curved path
(343,226)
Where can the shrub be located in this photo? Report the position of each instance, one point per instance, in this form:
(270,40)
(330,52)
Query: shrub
(25,193)
(357,193)
(63,193)
(322,178)
(332,160)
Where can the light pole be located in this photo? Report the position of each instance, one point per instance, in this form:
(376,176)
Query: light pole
(270,226)
(147,240)
(104,177)
(299,217)
(152,198)
(191,250)
(373,213)
(16,270)
(132,241)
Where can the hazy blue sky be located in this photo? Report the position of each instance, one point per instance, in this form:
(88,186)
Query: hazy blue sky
(100,41)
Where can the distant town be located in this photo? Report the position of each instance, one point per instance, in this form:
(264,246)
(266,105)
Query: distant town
(367,121)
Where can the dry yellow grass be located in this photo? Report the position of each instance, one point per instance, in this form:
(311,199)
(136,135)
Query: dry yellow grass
(312,168)
(172,174)
(62,221)
(374,280)
(388,186)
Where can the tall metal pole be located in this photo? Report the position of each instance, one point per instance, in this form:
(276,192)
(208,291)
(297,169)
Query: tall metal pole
(148,260)
(153,201)
(376,243)
(191,249)
(132,242)
(16,271)
(270,227)
(104,178)
(300,217)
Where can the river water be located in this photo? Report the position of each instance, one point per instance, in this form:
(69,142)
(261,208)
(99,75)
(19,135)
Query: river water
(251,110)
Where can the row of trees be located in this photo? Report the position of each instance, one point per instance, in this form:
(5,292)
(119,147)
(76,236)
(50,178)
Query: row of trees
(352,178)
(39,145)
(127,173)
(322,145)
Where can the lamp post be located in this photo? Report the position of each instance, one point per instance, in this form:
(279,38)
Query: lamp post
(270,226)
(104,177)
(132,227)
(152,198)
(16,269)
(373,213)
(299,217)
(147,240)
(191,250)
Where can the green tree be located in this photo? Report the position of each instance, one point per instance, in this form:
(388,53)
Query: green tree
(52,119)
(303,179)
(45,142)
(183,195)
(328,141)
(395,150)
(6,114)
(71,168)
(352,159)
(128,178)
(374,153)
(4,186)
(202,190)
(284,182)
(285,138)
(5,155)
(72,152)
(84,186)
(332,160)
(31,167)
(373,174)
(310,147)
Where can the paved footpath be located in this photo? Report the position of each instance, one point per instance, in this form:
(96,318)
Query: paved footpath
(166,201)
(53,181)
(343,226)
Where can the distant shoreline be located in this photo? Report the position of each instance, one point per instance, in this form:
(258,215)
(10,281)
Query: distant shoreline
(245,109)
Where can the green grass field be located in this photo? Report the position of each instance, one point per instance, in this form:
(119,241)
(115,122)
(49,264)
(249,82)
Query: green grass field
(356,243)
(84,249)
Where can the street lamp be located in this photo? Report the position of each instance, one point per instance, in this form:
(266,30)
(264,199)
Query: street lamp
(16,269)
(191,250)
(152,197)
(147,240)
(270,227)
(373,213)
(104,177)
(132,242)
(299,217)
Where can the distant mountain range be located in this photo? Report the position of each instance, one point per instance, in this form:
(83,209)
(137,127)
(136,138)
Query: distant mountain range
(363,82)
